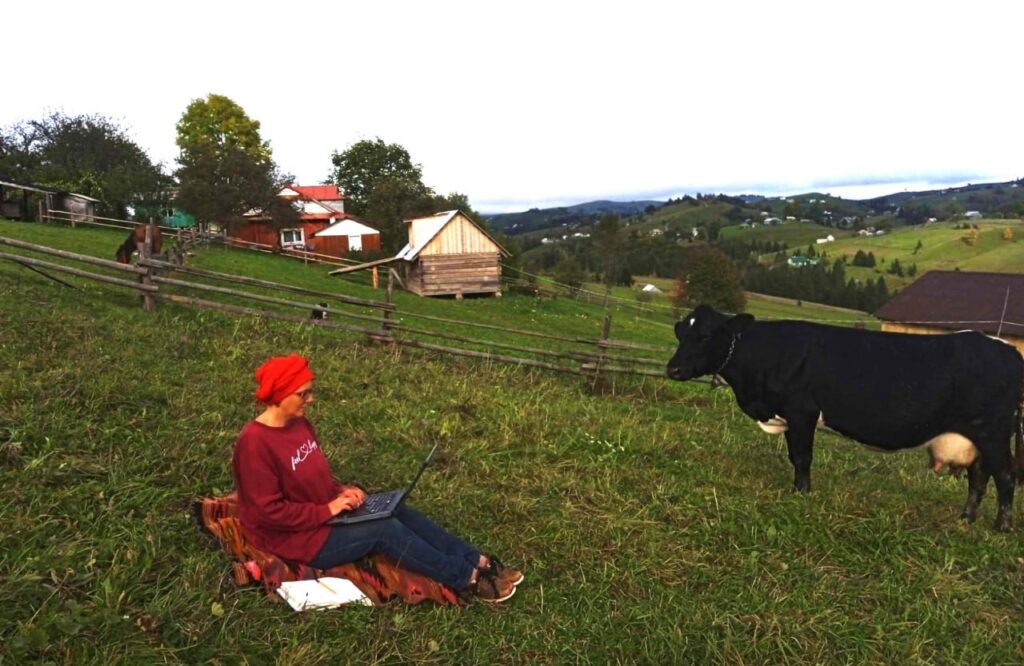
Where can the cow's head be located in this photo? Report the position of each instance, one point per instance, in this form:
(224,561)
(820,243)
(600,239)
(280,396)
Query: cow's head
(704,340)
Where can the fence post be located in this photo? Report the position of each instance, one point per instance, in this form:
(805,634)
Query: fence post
(148,304)
(386,324)
(376,278)
(606,328)
(40,218)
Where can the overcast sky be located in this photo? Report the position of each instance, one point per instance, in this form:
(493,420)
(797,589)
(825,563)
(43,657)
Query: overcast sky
(524,104)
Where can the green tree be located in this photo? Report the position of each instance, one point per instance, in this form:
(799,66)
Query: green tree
(364,165)
(383,184)
(708,276)
(19,156)
(218,123)
(568,271)
(225,166)
(609,240)
(87,154)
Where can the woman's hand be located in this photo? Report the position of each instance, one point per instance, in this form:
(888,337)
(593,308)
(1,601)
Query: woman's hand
(354,493)
(349,498)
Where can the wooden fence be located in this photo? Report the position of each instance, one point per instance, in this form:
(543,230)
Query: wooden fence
(378,321)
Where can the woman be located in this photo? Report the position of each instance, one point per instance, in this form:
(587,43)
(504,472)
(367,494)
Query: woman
(286,495)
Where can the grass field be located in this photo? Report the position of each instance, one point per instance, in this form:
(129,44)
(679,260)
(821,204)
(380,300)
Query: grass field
(796,234)
(942,248)
(654,521)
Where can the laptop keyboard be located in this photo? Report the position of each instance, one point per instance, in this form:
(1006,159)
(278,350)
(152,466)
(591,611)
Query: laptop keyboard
(375,503)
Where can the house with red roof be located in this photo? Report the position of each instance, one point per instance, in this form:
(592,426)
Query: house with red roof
(322,226)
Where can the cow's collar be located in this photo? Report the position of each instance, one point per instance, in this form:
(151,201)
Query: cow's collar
(716,381)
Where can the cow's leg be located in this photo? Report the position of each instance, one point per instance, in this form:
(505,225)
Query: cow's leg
(977,479)
(800,441)
(999,465)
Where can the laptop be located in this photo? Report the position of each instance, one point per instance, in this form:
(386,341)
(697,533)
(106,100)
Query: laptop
(380,505)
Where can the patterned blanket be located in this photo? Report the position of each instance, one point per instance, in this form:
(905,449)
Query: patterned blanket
(379,577)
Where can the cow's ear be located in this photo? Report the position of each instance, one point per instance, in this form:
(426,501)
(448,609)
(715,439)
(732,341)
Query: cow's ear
(739,324)
(681,327)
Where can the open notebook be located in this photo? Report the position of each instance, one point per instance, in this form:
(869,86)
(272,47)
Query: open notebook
(321,593)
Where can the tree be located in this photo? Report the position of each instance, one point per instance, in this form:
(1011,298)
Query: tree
(225,166)
(19,158)
(568,271)
(365,164)
(708,276)
(383,184)
(609,239)
(87,154)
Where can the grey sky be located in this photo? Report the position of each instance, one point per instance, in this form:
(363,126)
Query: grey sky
(544,103)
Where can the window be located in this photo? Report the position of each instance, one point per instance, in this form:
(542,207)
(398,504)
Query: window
(290,237)
(355,243)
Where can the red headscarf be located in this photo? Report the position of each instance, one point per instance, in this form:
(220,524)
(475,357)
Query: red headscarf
(280,377)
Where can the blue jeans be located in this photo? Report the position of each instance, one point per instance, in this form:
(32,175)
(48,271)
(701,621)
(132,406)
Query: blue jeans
(409,538)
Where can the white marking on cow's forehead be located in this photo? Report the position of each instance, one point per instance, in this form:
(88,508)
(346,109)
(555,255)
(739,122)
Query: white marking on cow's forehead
(692,320)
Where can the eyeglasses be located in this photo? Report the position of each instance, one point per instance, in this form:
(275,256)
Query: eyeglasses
(305,394)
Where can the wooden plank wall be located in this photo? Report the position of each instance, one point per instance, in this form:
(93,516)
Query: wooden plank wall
(441,275)
(335,246)
(460,236)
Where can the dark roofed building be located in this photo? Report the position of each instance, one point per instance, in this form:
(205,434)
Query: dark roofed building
(944,301)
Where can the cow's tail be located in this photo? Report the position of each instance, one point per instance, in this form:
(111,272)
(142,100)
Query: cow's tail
(1018,435)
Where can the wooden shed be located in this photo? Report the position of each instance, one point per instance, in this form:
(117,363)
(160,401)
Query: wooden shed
(946,301)
(25,202)
(448,254)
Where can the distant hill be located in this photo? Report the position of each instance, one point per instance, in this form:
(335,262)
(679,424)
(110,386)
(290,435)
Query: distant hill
(998,200)
(584,213)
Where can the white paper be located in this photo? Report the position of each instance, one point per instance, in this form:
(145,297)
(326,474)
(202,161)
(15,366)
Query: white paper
(321,593)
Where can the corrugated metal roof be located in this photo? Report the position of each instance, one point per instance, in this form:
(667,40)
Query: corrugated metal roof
(319,192)
(425,228)
(27,187)
(961,300)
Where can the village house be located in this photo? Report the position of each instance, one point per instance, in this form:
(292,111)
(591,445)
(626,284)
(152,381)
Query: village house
(800,261)
(447,255)
(322,225)
(946,301)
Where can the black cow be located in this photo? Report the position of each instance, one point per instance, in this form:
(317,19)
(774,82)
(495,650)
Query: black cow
(959,394)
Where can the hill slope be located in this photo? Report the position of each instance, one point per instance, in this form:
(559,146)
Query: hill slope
(629,509)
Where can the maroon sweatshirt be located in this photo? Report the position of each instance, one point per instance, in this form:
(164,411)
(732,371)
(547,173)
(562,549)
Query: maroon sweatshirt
(284,484)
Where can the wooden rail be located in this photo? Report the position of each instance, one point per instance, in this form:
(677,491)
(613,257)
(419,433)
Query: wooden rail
(255,282)
(148,281)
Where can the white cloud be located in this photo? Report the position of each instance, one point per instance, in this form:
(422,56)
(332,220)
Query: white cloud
(531,103)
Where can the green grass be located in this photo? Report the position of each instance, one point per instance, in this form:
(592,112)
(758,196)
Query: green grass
(942,248)
(654,521)
(759,305)
(796,234)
